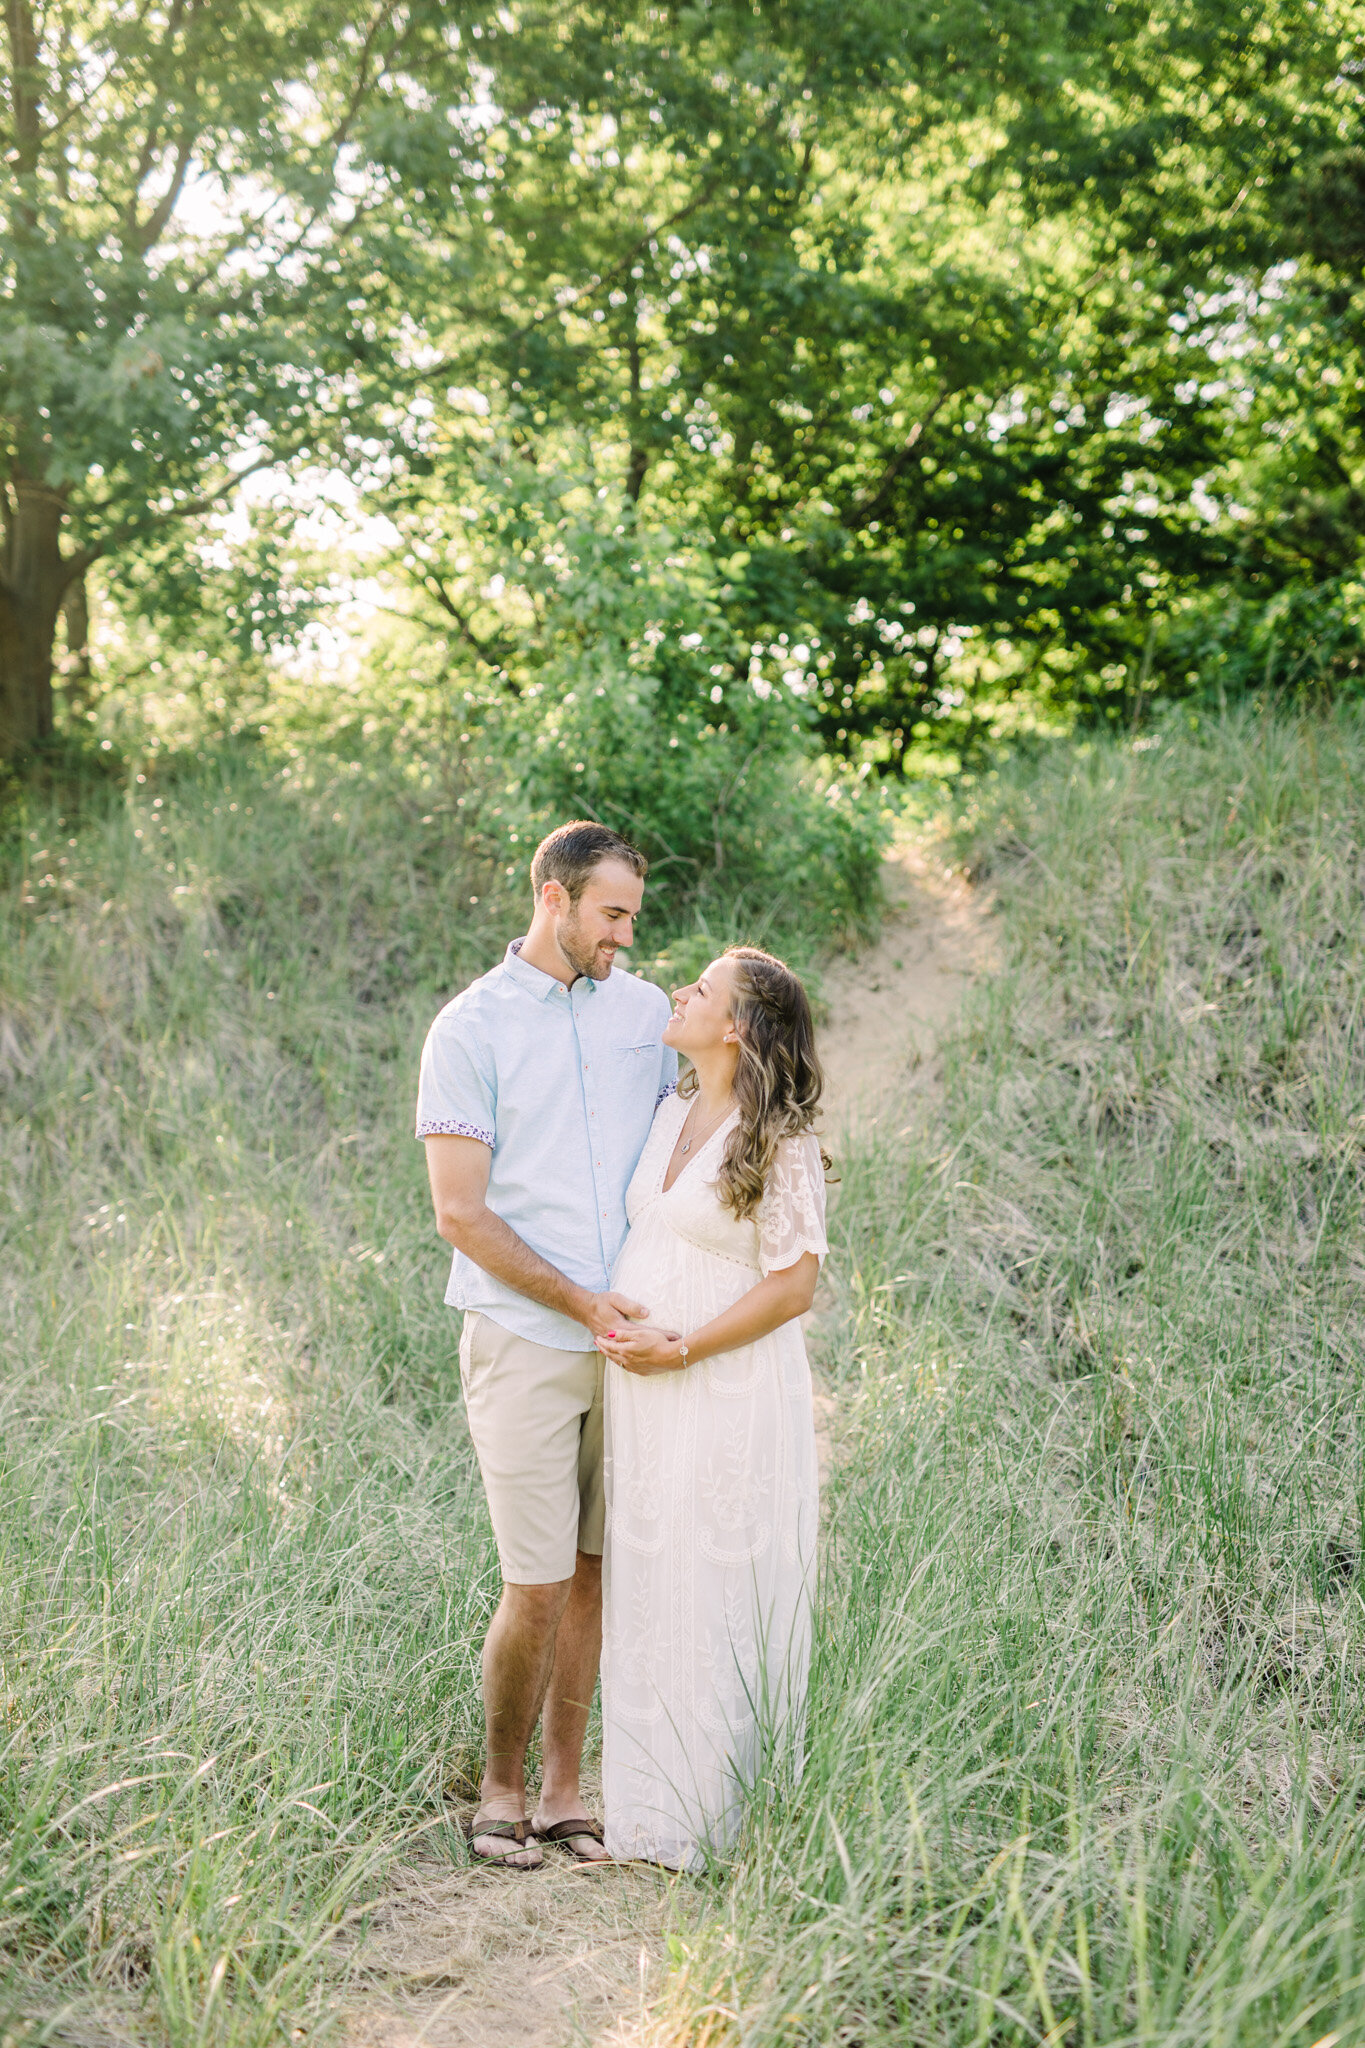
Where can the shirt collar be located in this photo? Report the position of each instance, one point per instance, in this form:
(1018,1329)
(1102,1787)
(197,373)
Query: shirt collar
(532,979)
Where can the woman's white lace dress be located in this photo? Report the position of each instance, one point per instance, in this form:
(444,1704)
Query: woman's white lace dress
(712,1506)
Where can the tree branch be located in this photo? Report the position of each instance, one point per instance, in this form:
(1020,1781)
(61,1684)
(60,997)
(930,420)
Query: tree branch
(151,140)
(639,455)
(117,537)
(595,285)
(721,171)
(82,101)
(154,226)
(582,294)
(334,142)
(339,134)
(493,650)
(867,509)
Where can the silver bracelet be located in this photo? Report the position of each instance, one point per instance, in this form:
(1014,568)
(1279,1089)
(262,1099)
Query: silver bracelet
(682,1346)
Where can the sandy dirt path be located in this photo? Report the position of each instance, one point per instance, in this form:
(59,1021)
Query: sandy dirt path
(887,1006)
(569,1957)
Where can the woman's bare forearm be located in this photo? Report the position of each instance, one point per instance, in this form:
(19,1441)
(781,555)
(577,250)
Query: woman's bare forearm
(779,1299)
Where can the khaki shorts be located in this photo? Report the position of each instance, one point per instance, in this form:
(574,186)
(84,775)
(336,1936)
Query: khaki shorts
(535,1415)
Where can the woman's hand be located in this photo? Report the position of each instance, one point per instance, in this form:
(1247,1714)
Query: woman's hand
(781,1298)
(645,1350)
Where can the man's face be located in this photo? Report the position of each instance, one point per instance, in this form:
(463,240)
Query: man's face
(590,932)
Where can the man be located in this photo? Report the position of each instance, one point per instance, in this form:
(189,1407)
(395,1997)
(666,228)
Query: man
(537,1091)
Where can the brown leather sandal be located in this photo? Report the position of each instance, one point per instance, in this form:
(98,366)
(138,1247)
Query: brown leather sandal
(518,1832)
(564,1833)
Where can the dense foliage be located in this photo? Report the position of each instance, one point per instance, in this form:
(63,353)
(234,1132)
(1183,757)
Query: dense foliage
(1007,361)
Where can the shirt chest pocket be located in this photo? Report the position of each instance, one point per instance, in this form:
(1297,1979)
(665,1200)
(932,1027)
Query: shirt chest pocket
(621,1089)
(623,1069)
(634,1066)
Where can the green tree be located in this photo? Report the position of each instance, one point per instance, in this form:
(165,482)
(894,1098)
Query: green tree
(183,187)
(1214,154)
(971,341)
(776,272)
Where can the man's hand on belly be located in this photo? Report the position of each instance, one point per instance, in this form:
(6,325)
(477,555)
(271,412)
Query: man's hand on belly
(602,1312)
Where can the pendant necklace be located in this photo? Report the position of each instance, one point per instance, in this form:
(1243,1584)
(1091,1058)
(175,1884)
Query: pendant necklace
(714,1124)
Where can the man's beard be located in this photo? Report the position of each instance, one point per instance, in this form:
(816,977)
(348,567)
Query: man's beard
(596,965)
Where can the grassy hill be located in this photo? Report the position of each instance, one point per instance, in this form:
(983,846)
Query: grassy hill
(1087,1747)
(1086,1728)
(245,1566)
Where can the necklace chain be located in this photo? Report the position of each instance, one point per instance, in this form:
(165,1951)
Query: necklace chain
(714,1124)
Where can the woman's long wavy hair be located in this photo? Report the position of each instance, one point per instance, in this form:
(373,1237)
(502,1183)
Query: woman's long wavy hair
(778,1080)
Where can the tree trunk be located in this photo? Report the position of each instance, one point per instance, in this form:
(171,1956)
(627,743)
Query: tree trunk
(34,574)
(76,665)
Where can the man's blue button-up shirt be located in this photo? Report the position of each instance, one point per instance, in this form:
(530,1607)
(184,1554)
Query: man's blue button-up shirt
(562,1082)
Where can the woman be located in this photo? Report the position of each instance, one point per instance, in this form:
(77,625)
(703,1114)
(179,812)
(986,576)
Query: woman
(712,1490)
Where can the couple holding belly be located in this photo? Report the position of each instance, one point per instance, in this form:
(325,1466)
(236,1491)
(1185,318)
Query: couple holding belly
(632,1259)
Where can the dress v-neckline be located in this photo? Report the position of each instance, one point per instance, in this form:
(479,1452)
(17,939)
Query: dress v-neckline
(666,1186)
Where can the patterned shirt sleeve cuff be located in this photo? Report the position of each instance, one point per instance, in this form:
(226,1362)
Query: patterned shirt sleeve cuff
(664,1093)
(445,1129)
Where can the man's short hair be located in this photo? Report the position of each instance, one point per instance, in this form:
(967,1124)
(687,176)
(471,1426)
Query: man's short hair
(570,853)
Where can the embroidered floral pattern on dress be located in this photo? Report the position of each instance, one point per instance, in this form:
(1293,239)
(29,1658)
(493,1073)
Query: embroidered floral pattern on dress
(791,1216)
(638,1514)
(664,1093)
(736,1488)
(713,1506)
(444,1129)
(641,1655)
(729,1657)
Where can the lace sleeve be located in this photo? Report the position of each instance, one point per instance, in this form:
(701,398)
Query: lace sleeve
(791,1216)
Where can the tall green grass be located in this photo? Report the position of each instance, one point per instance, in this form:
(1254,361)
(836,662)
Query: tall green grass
(244,1567)
(1086,1725)
(1085,1757)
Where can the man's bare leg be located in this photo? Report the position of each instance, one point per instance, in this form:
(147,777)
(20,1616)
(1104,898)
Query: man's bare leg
(518,1653)
(578,1652)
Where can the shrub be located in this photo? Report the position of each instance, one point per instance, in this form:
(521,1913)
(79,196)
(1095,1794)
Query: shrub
(1306,640)
(597,664)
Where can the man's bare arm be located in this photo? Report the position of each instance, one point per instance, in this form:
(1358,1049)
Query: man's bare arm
(458,1171)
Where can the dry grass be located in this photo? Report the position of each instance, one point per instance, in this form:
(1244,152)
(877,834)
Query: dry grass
(568,1954)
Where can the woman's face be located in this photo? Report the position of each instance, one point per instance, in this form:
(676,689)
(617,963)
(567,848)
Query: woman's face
(701,1017)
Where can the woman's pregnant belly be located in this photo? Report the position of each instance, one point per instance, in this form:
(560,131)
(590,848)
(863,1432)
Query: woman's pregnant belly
(679,1283)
